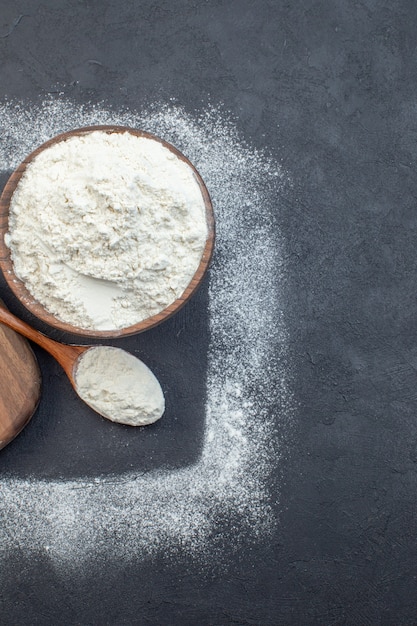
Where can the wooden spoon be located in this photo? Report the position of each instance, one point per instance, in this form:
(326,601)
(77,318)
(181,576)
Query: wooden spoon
(134,372)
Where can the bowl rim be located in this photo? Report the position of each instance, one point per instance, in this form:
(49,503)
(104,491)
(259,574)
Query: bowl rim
(36,308)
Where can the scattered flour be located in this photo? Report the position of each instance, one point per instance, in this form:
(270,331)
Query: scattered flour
(106,230)
(119,386)
(249,404)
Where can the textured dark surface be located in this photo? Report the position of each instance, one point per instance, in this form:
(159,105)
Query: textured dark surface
(331,88)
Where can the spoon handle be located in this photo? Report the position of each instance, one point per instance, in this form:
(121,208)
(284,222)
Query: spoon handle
(65,354)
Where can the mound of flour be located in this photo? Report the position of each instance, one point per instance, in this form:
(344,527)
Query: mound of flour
(106,230)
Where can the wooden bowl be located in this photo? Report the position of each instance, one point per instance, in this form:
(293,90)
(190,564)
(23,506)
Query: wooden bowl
(20,383)
(37,309)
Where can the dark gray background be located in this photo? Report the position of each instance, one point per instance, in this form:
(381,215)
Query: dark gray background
(330,87)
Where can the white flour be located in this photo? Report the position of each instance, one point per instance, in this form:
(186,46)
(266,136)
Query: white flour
(248,410)
(106,230)
(119,386)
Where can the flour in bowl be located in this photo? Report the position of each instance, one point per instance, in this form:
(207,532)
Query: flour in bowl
(107,229)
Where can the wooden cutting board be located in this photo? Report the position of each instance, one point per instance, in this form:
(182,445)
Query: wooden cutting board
(20,384)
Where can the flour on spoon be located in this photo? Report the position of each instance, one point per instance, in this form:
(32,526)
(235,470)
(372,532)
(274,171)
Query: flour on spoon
(119,386)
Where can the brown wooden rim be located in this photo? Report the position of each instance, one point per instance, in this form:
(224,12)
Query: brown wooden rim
(37,309)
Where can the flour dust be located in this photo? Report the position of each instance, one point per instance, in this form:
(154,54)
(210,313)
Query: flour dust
(248,398)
